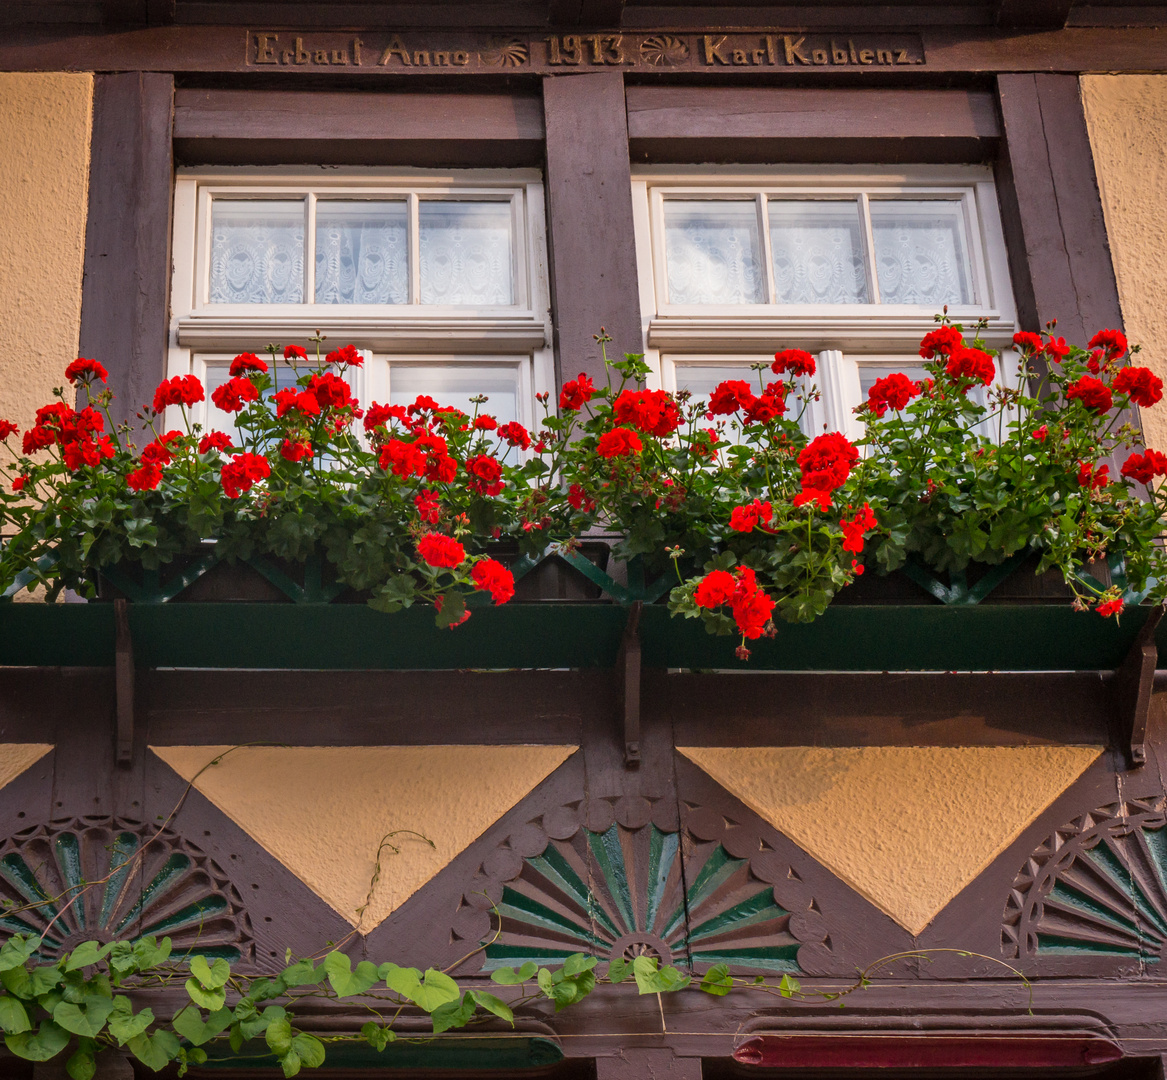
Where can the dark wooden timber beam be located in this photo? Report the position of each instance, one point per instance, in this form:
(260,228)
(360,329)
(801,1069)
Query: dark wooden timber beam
(1132,690)
(1037,14)
(124,685)
(116,13)
(272,127)
(678,124)
(127,239)
(605,14)
(629,667)
(589,196)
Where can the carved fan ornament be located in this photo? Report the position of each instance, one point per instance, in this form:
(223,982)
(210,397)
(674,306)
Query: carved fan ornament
(1097,887)
(147,883)
(605,879)
(664,50)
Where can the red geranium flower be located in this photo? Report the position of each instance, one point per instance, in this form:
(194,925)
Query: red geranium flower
(729,396)
(793,362)
(857,528)
(402,458)
(714,589)
(382,414)
(1091,478)
(485,474)
(345,357)
(182,390)
(1142,385)
(1057,349)
(441,551)
(941,341)
(1113,342)
(84,451)
(893,391)
(1145,467)
(826,462)
(747,518)
(1028,342)
(302,401)
(768,407)
(214,440)
(751,606)
(1040,433)
(485,423)
(158,452)
(293,450)
(1093,393)
(966,363)
(19,481)
(234,394)
(242,472)
(424,403)
(1109,607)
(619,442)
(427,505)
(248,361)
(82,370)
(576,393)
(145,478)
(652,411)
(331,391)
(515,435)
(7,429)
(580,499)
(492,577)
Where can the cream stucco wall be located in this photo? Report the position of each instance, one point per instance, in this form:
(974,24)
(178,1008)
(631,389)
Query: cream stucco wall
(1127,119)
(44,173)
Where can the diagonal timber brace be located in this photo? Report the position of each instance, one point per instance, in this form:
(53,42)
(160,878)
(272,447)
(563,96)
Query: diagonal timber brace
(628,671)
(1133,685)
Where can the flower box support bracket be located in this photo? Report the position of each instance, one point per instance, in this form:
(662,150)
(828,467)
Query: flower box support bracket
(123,684)
(1133,686)
(628,671)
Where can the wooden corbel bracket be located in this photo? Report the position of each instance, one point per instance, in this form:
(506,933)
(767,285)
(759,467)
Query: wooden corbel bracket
(123,684)
(1133,685)
(628,669)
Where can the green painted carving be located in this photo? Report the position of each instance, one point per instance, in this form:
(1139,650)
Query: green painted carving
(92,879)
(627,892)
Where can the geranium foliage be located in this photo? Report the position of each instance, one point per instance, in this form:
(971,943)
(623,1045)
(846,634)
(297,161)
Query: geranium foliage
(758,520)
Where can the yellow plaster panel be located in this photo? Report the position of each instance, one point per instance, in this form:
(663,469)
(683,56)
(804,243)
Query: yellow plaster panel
(905,827)
(1127,119)
(44,176)
(16,757)
(324,810)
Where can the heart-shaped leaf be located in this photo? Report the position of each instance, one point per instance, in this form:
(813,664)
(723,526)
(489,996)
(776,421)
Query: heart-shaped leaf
(13,1016)
(48,1041)
(211,975)
(86,1019)
(88,952)
(155,1051)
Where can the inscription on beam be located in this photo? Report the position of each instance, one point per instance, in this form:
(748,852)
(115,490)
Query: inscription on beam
(390,52)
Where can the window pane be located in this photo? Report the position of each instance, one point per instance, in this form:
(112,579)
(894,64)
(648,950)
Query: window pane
(466,253)
(920,252)
(818,252)
(701,380)
(257,251)
(711,251)
(868,373)
(362,252)
(456,384)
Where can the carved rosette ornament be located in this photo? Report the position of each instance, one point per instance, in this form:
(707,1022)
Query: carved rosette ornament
(616,878)
(93,879)
(504,52)
(664,50)
(1096,887)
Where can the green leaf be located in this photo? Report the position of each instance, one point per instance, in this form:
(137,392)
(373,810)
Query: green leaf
(206,999)
(48,1041)
(508,976)
(189,1024)
(346,982)
(155,1051)
(279,1036)
(13,1016)
(309,1049)
(83,1064)
(788,987)
(88,952)
(545,981)
(578,962)
(437,989)
(717,980)
(378,1036)
(303,973)
(454,1014)
(619,970)
(16,952)
(495,1005)
(213,975)
(86,1019)
(124,1024)
(453,608)
(149,952)
(650,980)
(404,981)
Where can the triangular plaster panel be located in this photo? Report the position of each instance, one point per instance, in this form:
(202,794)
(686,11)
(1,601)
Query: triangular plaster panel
(16,757)
(905,827)
(324,811)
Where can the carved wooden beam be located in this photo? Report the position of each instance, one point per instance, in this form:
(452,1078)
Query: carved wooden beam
(628,667)
(1044,14)
(1133,685)
(124,684)
(601,14)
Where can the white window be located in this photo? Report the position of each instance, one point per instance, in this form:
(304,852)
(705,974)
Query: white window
(439,280)
(851,266)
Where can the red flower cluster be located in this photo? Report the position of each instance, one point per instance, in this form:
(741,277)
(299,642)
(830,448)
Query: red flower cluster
(331,391)
(485,423)
(856,529)
(185,390)
(729,396)
(234,394)
(242,473)
(293,353)
(826,462)
(214,440)
(74,431)
(82,370)
(967,363)
(941,342)
(1112,342)
(750,605)
(1142,385)
(770,406)
(747,518)
(1144,467)
(893,391)
(428,508)
(441,551)
(619,442)
(485,474)
(652,411)
(1057,349)
(491,576)
(345,357)
(793,362)
(158,452)
(1091,478)
(248,361)
(295,450)
(1093,393)
(1026,341)
(1109,607)
(145,478)
(7,429)
(292,400)
(580,499)
(515,435)
(576,393)
(377,415)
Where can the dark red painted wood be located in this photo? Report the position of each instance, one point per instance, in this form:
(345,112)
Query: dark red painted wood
(1046,14)
(932,1051)
(589,196)
(127,241)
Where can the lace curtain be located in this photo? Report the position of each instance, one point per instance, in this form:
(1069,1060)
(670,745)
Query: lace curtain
(362,253)
(465,250)
(257,252)
(920,252)
(817,252)
(712,252)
